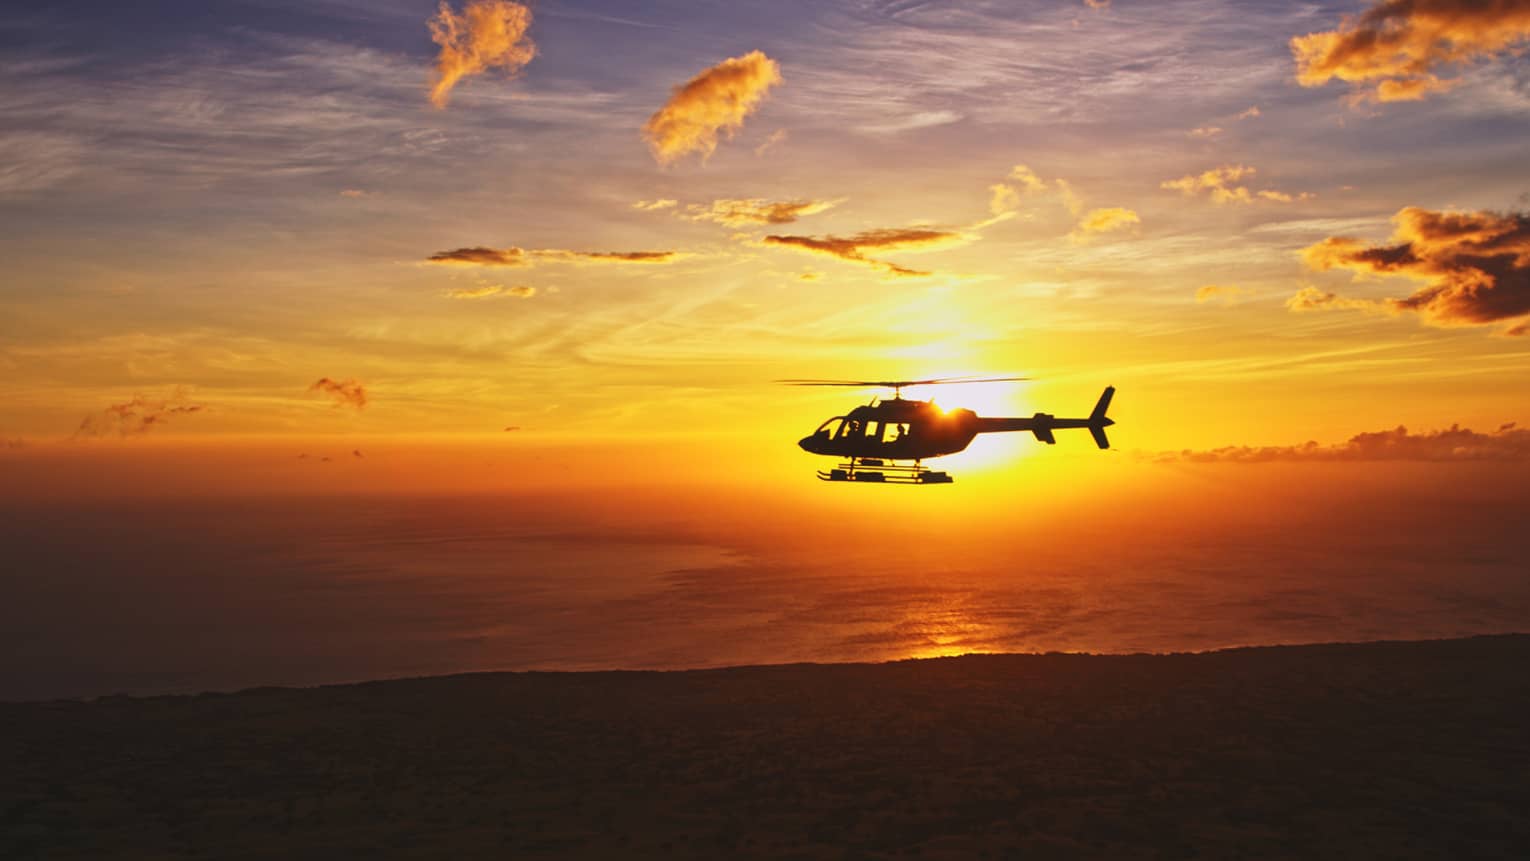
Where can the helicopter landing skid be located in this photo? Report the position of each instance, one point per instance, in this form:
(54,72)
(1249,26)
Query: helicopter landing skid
(876,471)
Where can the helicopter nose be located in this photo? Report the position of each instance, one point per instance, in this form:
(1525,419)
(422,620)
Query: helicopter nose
(806,443)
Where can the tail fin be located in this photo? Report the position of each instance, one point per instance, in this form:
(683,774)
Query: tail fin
(1097,420)
(1103,405)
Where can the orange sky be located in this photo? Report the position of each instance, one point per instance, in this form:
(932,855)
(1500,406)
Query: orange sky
(402,230)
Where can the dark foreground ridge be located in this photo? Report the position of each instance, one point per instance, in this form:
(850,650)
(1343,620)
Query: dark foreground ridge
(1337,751)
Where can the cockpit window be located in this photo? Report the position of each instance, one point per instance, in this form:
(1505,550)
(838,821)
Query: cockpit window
(831,428)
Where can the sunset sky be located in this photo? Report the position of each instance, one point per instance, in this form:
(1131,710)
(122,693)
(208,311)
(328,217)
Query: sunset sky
(216,206)
(339,247)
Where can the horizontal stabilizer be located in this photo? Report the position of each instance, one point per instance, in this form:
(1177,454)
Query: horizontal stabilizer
(1098,433)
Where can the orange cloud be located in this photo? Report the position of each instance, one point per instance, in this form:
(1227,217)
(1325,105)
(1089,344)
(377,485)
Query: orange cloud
(1400,45)
(1453,444)
(1312,299)
(717,100)
(134,417)
(1214,291)
(1102,221)
(345,392)
(480,256)
(740,212)
(1205,132)
(1221,184)
(854,248)
(488,34)
(1248,113)
(484,291)
(655,205)
(1476,265)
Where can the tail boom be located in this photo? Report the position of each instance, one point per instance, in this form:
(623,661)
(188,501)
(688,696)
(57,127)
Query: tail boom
(1043,424)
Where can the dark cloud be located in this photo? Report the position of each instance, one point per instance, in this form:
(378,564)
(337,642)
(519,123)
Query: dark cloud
(855,248)
(1476,264)
(1394,50)
(610,256)
(1453,444)
(344,392)
(480,256)
(134,417)
(485,256)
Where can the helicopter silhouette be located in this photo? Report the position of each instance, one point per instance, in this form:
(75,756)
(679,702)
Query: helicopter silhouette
(873,437)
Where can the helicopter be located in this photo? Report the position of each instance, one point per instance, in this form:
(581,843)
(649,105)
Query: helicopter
(874,437)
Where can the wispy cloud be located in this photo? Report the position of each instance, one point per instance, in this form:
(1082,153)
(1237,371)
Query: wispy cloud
(776,137)
(655,205)
(1395,49)
(480,255)
(487,34)
(514,256)
(1222,185)
(644,257)
(486,291)
(136,416)
(715,101)
(1225,292)
(1103,220)
(1476,265)
(1452,444)
(855,248)
(344,392)
(742,212)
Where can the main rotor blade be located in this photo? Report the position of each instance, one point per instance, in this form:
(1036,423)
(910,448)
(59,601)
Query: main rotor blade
(899,384)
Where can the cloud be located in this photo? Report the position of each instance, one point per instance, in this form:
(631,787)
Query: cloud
(13,443)
(512,256)
(480,256)
(345,392)
(717,100)
(1103,221)
(855,248)
(559,254)
(1221,184)
(1004,197)
(356,452)
(1248,113)
(1097,4)
(655,205)
(137,416)
(1393,50)
(353,192)
(1310,298)
(1209,292)
(1452,444)
(488,34)
(1205,132)
(740,212)
(513,428)
(776,137)
(485,291)
(1476,266)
